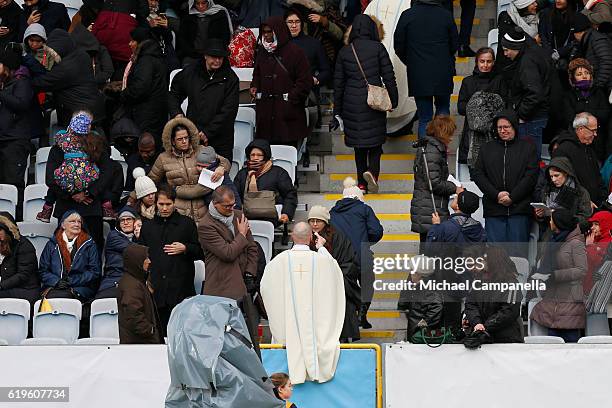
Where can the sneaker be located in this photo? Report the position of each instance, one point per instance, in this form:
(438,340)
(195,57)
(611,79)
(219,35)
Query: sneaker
(465,51)
(108,214)
(371,180)
(45,214)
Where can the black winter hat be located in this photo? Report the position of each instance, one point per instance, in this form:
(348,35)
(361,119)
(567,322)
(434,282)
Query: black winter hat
(580,23)
(216,48)
(10,59)
(468,202)
(564,219)
(514,39)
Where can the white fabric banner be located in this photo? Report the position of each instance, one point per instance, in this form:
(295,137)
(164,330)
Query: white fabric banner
(498,375)
(97,376)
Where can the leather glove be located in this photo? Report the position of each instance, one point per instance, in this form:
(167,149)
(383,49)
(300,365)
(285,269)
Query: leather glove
(62,284)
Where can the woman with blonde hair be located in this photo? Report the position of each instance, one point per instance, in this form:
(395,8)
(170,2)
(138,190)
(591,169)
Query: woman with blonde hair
(431,166)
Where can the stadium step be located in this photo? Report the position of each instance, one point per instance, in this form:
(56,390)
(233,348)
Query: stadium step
(390,163)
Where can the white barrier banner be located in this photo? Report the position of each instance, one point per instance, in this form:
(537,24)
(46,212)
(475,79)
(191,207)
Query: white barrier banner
(498,375)
(95,376)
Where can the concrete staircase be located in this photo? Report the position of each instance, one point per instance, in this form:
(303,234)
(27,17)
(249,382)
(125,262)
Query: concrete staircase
(334,161)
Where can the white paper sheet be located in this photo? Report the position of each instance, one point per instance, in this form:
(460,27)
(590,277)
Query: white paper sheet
(205,180)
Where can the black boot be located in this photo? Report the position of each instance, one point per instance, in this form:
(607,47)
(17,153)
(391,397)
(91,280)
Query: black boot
(465,51)
(363,316)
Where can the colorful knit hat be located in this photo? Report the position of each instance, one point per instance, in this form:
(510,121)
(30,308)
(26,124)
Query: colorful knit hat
(80,123)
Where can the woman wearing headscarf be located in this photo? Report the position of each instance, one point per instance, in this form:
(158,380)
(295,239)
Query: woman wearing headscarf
(18,263)
(203,20)
(340,248)
(69,265)
(261,175)
(281,83)
(365,128)
(359,223)
(562,268)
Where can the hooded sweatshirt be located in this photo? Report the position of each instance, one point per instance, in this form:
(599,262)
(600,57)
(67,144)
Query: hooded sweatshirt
(45,55)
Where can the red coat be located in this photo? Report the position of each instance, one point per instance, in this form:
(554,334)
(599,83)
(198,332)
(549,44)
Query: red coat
(113,30)
(598,249)
(281,121)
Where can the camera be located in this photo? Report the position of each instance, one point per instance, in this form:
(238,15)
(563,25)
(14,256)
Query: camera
(420,143)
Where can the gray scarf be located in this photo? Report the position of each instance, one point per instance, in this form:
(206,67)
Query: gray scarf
(529,23)
(227,221)
(212,9)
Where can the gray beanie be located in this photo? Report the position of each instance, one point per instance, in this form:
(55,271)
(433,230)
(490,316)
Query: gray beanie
(206,155)
(35,29)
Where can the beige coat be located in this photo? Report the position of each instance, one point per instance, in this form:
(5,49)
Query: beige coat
(563,303)
(179,171)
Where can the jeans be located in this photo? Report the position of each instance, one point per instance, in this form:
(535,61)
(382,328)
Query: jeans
(532,132)
(425,109)
(569,335)
(513,229)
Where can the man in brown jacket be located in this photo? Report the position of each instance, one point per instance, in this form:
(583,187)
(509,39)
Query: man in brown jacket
(230,253)
(138,319)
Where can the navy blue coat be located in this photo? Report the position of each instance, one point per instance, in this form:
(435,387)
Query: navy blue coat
(85,271)
(426,40)
(359,223)
(458,228)
(116,242)
(53,15)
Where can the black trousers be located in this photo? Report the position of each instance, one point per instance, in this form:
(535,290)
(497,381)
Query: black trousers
(367,158)
(468,11)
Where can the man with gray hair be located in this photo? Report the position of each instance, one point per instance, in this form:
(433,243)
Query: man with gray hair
(577,146)
(303,292)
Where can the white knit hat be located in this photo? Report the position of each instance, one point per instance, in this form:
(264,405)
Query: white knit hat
(521,4)
(318,212)
(142,184)
(351,190)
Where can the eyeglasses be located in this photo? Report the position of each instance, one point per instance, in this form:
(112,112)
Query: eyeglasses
(594,131)
(228,206)
(293,22)
(126,220)
(504,127)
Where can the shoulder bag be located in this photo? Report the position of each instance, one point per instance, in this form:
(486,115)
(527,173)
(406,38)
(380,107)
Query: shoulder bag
(378,97)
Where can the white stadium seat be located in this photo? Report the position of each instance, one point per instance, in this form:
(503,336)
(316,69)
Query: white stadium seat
(104,319)
(285,157)
(42,155)
(8,198)
(544,340)
(534,329)
(44,341)
(492,39)
(244,74)
(117,156)
(237,161)
(263,234)
(14,317)
(172,75)
(61,323)
(98,341)
(38,233)
(595,340)
(199,276)
(33,200)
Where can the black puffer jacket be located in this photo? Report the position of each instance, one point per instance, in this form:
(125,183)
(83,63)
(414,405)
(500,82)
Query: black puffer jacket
(19,270)
(52,15)
(363,126)
(101,62)
(529,91)
(555,29)
(145,97)
(506,166)
(213,103)
(276,179)
(498,312)
(15,105)
(421,207)
(73,87)
(585,163)
(596,48)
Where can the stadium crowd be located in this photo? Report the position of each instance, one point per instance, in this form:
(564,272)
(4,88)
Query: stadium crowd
(106,74)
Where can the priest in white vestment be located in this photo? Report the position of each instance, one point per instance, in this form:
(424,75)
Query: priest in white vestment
(303,292)
(388,13)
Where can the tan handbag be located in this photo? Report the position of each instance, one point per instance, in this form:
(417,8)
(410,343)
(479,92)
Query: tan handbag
(378,97)
(259,204)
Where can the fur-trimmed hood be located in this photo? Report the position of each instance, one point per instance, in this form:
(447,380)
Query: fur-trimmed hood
(309,4)
(379,27)
(8,224)
(191,128)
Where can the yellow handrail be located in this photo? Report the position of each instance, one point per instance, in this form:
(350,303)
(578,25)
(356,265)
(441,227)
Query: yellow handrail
(366,346)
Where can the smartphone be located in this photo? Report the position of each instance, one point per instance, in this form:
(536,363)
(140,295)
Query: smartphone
(163,15)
